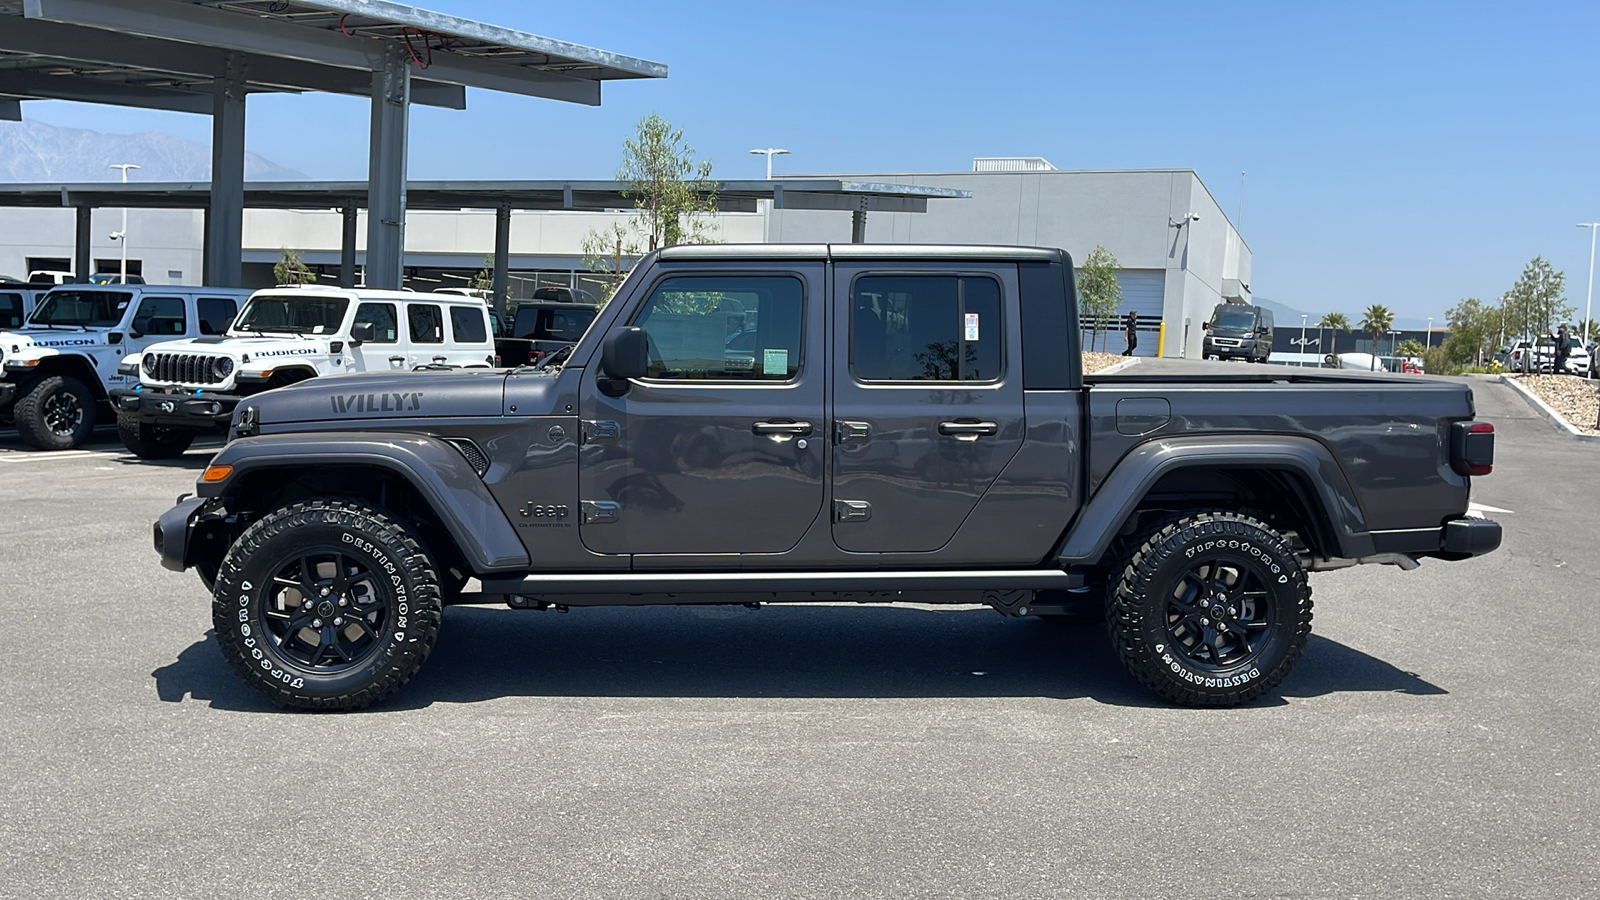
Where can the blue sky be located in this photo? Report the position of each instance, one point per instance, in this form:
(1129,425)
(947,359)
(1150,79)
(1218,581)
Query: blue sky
(1403,153)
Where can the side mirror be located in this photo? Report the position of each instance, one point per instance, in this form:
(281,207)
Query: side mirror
(625,353)
(360,333)
(1205,326)
(141,327)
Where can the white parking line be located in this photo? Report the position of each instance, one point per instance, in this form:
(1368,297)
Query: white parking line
(22,456)
(1477,510)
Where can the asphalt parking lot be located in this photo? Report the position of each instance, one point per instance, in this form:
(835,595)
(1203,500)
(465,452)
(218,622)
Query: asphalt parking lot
(1438,739)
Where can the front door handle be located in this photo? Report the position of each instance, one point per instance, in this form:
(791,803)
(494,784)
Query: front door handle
(968,431)
(782,427)
(397,359)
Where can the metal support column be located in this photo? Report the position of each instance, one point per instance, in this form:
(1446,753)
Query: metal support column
(858,226)
(386,169)
(225,224)
(347,247)
(80,244)
(502,258)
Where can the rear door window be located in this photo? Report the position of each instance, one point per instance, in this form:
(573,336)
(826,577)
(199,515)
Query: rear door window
(426,323)
(10,310)
(925,328)
(216,313)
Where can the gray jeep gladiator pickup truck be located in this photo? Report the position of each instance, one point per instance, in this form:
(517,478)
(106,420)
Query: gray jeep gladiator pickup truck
(871,423)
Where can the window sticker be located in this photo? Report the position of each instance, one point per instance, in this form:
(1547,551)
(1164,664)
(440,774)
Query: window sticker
(972,326)
(775,362)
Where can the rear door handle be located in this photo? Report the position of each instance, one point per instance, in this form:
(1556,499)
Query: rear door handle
(968,431)
(397,359)
(782,427)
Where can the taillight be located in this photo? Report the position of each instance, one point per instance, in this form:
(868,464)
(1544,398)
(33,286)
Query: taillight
(533,356)
(1472,448)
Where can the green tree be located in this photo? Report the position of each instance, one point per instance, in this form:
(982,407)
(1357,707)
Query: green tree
(291,269)
(1335,322)
(1376,320)
(1537,301)
(673,196)
(1410,347)
(484,279)
(1099,294)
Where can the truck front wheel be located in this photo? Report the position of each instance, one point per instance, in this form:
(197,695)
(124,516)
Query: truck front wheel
(1211,609)
(55,413)
(327,604)
(148,441)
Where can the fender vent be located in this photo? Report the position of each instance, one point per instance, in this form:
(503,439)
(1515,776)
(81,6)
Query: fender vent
(475,456)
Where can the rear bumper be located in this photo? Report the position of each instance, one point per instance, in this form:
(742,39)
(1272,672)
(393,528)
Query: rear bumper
(204,410)
(1469,537)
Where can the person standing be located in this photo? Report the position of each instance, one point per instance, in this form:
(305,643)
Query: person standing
(1563,350)
(1132,332)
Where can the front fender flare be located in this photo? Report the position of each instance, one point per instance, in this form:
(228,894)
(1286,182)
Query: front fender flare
(1133,477)
(435,468)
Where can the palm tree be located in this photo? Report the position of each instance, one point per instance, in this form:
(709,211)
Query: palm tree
(1334,322)
(1375,321)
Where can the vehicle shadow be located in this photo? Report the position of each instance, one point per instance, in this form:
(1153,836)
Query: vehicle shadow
(776,652)
(197,458)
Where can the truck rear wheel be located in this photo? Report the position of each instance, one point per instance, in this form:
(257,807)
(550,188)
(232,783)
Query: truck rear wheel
(1211,609)
(55,413)
(148,441)
(327,604)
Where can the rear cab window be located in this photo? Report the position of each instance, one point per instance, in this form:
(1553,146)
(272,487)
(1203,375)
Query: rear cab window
(926,328)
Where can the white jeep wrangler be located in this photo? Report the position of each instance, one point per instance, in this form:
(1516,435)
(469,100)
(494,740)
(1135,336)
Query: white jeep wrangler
(284,335)
(58,366)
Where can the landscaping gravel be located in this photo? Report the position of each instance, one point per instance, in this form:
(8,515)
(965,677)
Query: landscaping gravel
(1576,399)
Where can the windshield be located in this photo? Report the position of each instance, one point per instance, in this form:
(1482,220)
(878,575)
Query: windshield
(1242,319)
(293,314)
(91,309)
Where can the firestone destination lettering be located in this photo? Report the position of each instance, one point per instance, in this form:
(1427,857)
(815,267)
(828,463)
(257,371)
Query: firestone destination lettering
(371,403)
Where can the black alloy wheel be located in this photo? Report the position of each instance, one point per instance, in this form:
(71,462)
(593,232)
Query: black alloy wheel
(56,412)
(1210,609)
(327,604)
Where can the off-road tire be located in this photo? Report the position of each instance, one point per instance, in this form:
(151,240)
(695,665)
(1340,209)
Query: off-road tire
(42,401)
(389,580)
(148,441)
(1156,609)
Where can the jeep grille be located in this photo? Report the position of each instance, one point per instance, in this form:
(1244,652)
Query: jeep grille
(184,368)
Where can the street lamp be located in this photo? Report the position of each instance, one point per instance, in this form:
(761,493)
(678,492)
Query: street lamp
(1394,352)
(121,236)
(1303,318)
(1589,301)
(1430,333)
(769,153)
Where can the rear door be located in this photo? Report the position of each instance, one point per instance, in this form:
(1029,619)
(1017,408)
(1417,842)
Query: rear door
(425,328)
(470,344)
(927,402)
(719,449)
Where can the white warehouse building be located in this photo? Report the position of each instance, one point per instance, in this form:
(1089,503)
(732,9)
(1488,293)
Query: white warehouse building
(1178,254)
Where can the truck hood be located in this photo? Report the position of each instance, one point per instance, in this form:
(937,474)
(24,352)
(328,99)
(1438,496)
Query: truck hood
(264,347)
(385,395)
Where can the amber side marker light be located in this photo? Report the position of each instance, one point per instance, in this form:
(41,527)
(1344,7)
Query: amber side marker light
(216,473)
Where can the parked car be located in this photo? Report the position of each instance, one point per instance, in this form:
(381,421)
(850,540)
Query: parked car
(1578,360)
(17,302)
(839,466)
(540,328)
(58,368)
(286,335)
(115,278)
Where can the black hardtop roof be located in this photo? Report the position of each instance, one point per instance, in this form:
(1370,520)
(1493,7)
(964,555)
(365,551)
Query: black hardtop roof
(859,251)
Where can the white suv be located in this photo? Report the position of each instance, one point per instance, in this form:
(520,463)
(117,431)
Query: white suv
(288,334)
(57,367)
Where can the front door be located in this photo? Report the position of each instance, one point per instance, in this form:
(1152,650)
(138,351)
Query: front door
(719,449)
(927,403)
(388,348)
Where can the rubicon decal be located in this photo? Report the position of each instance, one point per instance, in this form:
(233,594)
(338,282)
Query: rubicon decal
(304,351)
(63,342)
(371,403)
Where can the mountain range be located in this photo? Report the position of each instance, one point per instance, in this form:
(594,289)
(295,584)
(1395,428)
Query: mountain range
(32,151)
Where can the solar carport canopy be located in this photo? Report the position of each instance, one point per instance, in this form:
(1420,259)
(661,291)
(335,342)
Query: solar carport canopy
(209,56)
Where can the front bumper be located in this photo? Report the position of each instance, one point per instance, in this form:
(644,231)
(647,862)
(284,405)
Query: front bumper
(174,409)
(1238,347)
(173,532)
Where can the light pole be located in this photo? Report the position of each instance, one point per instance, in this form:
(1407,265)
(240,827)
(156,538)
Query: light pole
(121,236)
(1303,318)
(1394,352)
(1588,302)
(1429,345)
(769,153)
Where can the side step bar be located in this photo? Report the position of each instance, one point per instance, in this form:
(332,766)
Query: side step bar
(877,580)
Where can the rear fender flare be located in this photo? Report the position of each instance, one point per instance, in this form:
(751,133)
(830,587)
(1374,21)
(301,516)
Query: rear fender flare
(1144,466)
(435,468)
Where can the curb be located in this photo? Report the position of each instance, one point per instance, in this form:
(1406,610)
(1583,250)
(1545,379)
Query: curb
(1112,370)
(1550,415)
